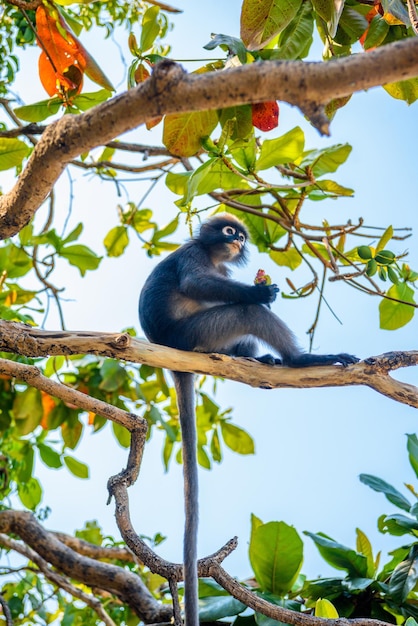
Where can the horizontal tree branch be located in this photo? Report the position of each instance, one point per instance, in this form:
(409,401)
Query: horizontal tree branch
(372,372)
(308,86)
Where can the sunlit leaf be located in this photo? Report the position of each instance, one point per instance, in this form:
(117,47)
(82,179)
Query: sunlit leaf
(325,608)
(12,152)
(237,439)
(394,314)
(150,28)
(116,241)
(77,468)
(38,111)
(403,90)
(30,493)
(262,20)
(285,149)
(183,132)
(81,257)
(276,555)
(122,434)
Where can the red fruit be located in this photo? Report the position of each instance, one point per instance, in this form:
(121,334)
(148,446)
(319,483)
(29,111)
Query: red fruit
(265,115)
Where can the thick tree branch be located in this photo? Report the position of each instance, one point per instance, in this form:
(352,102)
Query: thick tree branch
(123,583)
(57,579)
(170,90)
(372,372)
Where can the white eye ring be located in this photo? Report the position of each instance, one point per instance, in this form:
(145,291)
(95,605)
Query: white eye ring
(241,237)
(228,230)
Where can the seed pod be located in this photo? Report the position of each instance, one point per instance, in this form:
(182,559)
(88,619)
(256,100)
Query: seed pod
(364,252)
(385,257)
(371,267)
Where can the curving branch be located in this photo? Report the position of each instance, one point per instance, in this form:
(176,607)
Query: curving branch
(309,86)
(46,548)
(373,372)
(56,579)
(125,585)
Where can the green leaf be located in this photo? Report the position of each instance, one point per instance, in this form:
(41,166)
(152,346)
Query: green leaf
(91,533)
(214,608)
(77,468)
(12,152)
(14,261)
(403,90)
(30,493)
(113,375)
(364,547)
(327,160)
(203,458)
(71,432)
(86,101)
(241,125)
(122,434)
(399,525)
(74,234)
(27,410)
(412,447)
(393,495)
(116,241)
(296,39)
(285,149)
(215,447)
(183,132)
(230,44)
(39,111)
(177,182)
(237,439)
(340,556)
(384,239)
(330,11)
(325,608)
(376,33)
(49,456)
(81,257)
(276,555)
(262,20)
(404,577)
(290,258)
(324,189)
(150,28)
(352,24)
(211,175)
(394,315)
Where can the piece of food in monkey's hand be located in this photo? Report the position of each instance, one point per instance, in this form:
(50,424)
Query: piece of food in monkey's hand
(261,278)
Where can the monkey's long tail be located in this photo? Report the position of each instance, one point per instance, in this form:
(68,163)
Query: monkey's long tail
(184,384)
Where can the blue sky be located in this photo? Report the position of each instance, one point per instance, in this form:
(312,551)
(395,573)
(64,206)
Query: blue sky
(311,445)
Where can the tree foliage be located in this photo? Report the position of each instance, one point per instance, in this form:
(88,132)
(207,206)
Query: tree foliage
(212,158)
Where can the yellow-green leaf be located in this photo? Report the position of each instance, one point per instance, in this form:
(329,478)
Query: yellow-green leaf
(325,608)
(12,152)
(183,132)
(394,315)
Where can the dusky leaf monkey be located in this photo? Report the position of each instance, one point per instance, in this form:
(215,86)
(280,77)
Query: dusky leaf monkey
(190,302)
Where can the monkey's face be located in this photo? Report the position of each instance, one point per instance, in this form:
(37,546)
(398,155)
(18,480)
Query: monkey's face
(234,239)
(225,237)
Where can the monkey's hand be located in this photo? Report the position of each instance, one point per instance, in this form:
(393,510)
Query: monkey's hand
(265,294)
